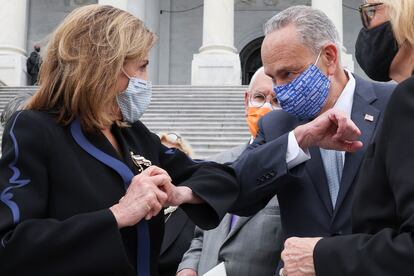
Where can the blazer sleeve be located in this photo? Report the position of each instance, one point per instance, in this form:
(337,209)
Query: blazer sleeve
(32,242)
(191,258)
(385,243)
(261,170)
(214,183)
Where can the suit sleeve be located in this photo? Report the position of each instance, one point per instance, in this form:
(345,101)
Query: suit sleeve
(31,241)
(215,184)
(191,258)
(385,244)
(261,170)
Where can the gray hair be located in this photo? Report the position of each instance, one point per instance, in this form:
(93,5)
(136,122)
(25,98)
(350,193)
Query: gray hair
(254,77)
(314,28)
(15,104)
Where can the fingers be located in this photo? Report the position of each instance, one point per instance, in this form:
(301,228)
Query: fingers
(347,130)
(154,170)
(153,204)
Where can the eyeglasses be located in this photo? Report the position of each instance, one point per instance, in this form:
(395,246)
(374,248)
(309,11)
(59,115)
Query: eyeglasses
(258,99)
(173,137)
(367,12)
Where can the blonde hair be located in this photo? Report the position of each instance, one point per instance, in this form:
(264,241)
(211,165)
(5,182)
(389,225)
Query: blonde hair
(178,143)
(401,14)
(85,55)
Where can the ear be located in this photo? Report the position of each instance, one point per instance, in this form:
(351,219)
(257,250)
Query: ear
(330,58)
(246,100)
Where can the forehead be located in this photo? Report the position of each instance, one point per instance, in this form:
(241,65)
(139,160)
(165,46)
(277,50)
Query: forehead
(283,48)
(262,83)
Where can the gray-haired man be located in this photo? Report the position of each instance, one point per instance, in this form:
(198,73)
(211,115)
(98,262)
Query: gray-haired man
(300,53)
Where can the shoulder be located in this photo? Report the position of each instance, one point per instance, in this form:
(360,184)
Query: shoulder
(381,91)
(402,99)
(138,129)
(31,119)
(278,120)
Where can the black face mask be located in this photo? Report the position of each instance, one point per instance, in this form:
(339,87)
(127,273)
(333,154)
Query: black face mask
(375,49)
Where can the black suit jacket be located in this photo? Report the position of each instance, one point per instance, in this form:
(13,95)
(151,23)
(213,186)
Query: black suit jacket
(303,193)
(383,212)
(54,216)
(179,231)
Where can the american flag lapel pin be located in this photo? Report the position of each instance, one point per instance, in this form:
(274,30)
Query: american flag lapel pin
(369,118)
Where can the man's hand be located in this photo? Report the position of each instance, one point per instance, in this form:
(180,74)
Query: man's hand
(298,256)
(330,130)
(187,272)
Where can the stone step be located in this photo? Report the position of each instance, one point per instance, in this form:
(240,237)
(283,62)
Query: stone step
(237,140)
(154,119)
(211,119)
(202,134)
(172,124)
(200,111)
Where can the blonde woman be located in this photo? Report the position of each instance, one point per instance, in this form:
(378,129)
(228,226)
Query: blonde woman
(383,210)
(385,46)
(82,180)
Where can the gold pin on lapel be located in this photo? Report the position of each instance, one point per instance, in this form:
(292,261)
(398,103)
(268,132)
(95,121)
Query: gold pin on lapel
(140,162)
(369,118)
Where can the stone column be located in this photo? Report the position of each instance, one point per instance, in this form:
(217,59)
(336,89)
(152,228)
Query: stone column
(149,13)
(218,62)
(13,25)
(333,9)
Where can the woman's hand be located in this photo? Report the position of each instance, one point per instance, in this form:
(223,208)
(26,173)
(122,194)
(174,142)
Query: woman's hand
(144,197)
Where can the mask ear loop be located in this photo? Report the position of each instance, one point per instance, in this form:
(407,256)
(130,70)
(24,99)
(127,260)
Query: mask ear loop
(123,71)
(316,62)
(319,55)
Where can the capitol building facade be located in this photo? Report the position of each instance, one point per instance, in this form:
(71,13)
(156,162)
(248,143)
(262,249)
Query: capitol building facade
(210,42)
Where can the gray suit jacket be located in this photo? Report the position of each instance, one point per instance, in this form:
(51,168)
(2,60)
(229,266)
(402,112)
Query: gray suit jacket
(252,247)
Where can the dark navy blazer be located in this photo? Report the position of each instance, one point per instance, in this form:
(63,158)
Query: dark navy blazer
(305,204)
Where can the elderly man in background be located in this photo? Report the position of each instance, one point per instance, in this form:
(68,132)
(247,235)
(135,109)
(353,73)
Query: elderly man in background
(301,53)
(247,245)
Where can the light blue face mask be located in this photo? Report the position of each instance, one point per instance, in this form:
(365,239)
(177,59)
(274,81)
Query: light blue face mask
(135,100)
(305,96)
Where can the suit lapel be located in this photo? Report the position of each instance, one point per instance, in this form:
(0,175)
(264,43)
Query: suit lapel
(363,98)
(317,173)
(173,228)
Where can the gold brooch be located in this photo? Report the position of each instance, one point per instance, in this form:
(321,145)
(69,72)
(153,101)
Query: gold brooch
(140,162)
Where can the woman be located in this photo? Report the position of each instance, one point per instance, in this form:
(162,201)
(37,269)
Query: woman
(383,210)
(382,52)
(82,180)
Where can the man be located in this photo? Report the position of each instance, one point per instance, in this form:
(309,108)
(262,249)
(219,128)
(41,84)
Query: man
(314,186)
(33,64)
(247,245)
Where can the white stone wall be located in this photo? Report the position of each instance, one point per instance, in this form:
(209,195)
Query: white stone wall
(181,33)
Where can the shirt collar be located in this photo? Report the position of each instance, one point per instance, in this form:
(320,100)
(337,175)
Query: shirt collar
(345,100)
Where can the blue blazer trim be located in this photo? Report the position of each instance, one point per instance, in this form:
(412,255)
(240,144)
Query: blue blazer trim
(7,195)
(143,236)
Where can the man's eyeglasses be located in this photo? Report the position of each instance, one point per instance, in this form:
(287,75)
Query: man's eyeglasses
(258,99)
(367,12)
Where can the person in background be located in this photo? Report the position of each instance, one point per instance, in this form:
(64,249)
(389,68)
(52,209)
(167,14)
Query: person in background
(382,242)
(33,64)
(15,104)
(384,53)
(247,245)
(174,140)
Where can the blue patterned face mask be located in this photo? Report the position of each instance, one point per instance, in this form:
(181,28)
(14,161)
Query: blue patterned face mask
(305,96)
(135,99)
